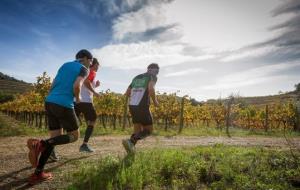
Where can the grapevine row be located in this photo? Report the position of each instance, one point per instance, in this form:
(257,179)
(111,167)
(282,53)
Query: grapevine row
(172,111)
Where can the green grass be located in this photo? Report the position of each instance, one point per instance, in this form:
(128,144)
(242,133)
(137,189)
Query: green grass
(217,167)
(11,127)
(212,131)
(190,131)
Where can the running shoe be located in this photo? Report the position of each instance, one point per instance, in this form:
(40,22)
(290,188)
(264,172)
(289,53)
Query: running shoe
(37,178)
(35,148)
(129,146)
(86,148)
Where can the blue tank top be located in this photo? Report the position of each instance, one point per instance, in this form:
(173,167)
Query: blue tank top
(61,92)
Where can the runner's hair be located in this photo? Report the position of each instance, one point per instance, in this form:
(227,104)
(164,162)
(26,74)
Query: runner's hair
(84,53)
(153,66)
(95,62)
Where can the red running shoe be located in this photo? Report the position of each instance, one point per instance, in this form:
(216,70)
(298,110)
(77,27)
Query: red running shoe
(35,148)
(43,176)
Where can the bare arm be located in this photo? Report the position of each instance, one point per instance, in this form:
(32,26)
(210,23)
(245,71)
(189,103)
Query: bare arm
(97,83)
(88,84)
(128,92)
(76,88)
(151,90)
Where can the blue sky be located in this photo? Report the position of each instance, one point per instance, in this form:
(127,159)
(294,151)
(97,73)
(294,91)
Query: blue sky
(206,48)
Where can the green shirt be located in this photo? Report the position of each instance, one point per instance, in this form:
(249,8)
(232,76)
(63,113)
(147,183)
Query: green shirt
(139,95)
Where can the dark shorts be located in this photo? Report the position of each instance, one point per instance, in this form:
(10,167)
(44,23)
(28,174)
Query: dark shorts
(61,117)
(87,109)
(141,115)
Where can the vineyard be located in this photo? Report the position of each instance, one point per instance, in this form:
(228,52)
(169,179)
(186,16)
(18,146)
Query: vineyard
(173,111)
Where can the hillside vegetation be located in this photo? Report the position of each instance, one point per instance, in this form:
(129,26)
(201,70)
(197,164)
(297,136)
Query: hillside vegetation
(10,85)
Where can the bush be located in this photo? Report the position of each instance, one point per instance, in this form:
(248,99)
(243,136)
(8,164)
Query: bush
(218,167)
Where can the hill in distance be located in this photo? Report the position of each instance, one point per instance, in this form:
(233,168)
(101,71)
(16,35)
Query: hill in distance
(264,100)
(10,85)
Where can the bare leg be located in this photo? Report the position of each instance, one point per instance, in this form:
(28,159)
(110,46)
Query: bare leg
(149,128)
(137,128)
(55,133)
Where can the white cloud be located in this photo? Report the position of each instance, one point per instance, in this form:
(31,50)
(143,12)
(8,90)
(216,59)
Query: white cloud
(185,72)
(253,76)
(139,55)
(182,91)
(193,32)
(257,52)
(149,17)
(112,8)
(224,25)
(193,28)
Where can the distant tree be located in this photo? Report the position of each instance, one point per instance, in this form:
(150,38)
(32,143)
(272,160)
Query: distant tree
(43,85)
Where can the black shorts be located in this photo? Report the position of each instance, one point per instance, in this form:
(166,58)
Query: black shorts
(87,109)
(61,117)
(141,115)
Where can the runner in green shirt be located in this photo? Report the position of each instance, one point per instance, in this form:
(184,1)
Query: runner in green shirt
(139,92)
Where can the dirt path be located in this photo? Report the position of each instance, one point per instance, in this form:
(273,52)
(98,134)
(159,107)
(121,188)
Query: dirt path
(15,168)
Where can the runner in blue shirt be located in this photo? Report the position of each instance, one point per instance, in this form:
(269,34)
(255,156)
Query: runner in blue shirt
(60,112)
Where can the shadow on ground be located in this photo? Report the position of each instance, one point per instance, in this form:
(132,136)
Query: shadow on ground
(21,183)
